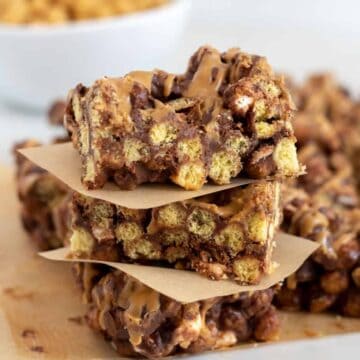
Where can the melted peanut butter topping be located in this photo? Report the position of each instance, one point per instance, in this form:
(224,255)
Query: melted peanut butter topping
(145,78)
(237,202)
(142,77)
(161,110)
(123,88)
(169,81)
(311,220)
(104,303)
(206,306)
(137,298)
(208,77)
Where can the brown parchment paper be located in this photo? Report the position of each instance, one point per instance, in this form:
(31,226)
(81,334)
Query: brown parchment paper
(189,286)
(63,161)
(40,305)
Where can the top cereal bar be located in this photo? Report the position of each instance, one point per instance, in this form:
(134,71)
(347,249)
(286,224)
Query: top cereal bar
(228,115)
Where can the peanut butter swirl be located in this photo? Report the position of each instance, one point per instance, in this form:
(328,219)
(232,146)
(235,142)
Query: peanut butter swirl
(137,299)
(208,77)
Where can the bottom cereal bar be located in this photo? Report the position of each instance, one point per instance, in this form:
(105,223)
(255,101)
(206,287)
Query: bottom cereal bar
(140,321)
(228,234)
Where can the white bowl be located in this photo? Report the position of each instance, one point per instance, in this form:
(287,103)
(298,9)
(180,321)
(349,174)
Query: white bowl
(41,63)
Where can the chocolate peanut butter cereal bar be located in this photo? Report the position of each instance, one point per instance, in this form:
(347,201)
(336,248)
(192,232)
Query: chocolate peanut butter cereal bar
(140,321)
(327,105)
(329,280)
(228,234)
(228,115)
(44,202)
(323,206)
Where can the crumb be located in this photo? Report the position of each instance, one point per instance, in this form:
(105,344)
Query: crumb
(37,348)
(28,333)
(76,319)
(312,333)
(18,293)
(339,323)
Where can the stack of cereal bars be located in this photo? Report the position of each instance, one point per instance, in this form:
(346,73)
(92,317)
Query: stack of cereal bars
(227,116)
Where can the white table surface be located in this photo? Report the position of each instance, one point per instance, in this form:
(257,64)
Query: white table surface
(298,38)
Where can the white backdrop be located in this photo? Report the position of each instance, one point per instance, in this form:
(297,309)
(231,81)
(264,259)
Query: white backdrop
(298,37)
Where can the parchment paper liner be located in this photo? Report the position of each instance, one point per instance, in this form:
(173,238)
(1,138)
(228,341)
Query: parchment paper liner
(189,286)
(63,161)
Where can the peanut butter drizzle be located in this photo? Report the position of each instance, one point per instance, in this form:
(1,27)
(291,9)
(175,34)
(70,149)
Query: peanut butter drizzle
(231,53)
(161,111)
(87,279)
(205,84)
(212,127)
(135,297)
(237,204)
(310,220)
(206,306)
(202,83)
(143,77)
(123,88)
(168,84)
(104,303)
(232,208)
(241,61)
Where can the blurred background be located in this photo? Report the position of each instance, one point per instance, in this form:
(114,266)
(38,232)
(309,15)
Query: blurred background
(45,51)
